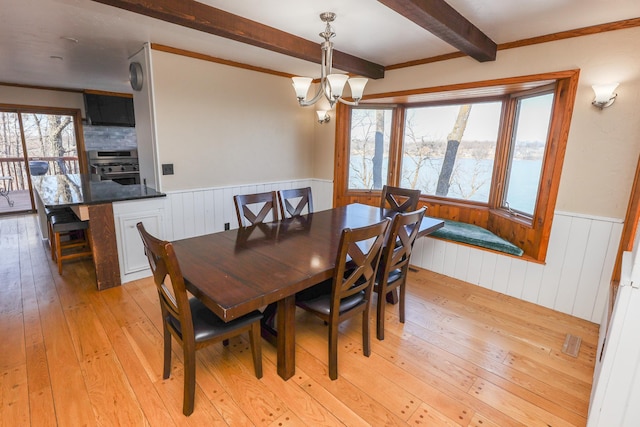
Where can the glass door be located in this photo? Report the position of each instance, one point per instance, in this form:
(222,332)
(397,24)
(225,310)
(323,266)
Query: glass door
(33,144)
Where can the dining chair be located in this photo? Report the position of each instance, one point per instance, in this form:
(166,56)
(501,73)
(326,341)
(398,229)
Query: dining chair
(244,203)
(188,320)
(399,199)
(348,293)
(303,198)
(394,263)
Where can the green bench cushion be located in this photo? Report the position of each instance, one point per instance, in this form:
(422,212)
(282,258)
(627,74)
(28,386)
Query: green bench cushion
(474,235)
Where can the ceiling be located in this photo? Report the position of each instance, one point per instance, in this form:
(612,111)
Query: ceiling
(83,44)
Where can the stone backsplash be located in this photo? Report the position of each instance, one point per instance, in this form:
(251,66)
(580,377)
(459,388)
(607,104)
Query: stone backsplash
(109,138)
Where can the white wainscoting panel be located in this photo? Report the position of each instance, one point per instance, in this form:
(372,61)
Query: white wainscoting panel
(196,212)
(574,280)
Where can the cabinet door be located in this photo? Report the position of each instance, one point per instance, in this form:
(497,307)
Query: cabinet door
(133,257)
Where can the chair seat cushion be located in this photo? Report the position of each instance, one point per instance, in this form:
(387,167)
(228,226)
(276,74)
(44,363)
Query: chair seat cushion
(318,299)
(207,325)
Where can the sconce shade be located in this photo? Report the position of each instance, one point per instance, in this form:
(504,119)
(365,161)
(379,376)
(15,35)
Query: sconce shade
(604,95)
(323,116)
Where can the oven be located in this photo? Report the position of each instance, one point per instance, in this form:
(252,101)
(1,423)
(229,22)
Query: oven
(119,166)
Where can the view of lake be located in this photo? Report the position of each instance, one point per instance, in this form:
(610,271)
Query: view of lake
(470,181)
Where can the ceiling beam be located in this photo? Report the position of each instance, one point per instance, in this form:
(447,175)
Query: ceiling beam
(201,17)
(443,21)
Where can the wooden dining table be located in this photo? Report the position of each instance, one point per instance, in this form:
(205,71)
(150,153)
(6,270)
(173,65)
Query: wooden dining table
(237,271)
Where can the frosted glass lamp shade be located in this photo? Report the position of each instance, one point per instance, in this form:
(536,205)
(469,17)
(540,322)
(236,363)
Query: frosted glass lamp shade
(301,86)
(604,95)
(337,82)
(357,85)
(323,116)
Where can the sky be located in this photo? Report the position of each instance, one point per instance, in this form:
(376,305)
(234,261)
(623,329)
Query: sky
(482,125)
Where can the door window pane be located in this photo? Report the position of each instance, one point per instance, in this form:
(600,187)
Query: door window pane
(449,150)
(51,144)
(369,148)
(527,153)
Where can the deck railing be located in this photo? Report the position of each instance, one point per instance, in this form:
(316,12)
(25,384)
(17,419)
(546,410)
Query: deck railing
(15,167)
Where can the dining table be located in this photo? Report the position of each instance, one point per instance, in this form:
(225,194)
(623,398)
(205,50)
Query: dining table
(237,271)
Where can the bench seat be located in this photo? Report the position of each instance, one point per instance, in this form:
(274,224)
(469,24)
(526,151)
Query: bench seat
(476,236)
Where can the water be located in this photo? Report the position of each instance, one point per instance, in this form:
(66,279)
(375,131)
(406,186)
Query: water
(471,180)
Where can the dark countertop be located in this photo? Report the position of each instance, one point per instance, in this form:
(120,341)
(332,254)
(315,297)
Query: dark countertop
(77,189)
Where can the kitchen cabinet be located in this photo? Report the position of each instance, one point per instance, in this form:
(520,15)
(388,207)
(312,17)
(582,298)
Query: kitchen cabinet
(133,262)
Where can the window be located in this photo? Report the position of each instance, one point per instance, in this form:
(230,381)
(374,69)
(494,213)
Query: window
(486,153)
(529,141)
(369,148)
(33,142)
(449,150)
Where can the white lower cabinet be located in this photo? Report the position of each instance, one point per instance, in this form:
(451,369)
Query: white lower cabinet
(133,262)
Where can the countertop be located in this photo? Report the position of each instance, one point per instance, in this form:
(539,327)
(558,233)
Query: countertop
(78,189)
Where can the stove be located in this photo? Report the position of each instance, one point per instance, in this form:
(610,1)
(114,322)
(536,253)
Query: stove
(120,166)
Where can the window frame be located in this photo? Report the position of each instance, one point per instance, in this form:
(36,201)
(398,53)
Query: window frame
(531,233)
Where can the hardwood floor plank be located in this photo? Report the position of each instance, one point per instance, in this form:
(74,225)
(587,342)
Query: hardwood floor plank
(467,356)
(14,396)
(519,409)
(370,410)
(260,404)
(112,399)
(427,357)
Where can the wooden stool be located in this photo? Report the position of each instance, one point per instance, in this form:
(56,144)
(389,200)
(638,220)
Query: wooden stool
(49,212)
(70,225)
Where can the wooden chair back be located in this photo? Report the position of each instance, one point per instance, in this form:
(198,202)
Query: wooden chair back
(305,200)
(267,203)
(394,262)
(174,300)
(182,317)
(399,199)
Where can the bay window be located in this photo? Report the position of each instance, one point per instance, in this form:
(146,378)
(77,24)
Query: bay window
(486,153)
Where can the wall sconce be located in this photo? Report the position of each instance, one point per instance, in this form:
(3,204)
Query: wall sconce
(323,116)
(605,95)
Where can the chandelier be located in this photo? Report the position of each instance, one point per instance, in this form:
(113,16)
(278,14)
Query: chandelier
(331,85)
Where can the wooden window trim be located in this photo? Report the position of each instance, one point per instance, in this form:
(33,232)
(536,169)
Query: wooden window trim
(532,235)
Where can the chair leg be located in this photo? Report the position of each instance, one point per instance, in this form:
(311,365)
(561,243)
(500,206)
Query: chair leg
(51,244)
(401,305)
(189,381)
(333,350)
(256,348)
(380,309)
(166,372)
(366,338)
(58,248)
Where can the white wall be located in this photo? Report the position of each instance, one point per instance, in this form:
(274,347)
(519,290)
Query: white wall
(41,98)
(616,386)
(221,125)
(145,121)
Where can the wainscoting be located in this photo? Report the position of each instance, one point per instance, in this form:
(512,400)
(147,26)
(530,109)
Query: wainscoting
(574,280)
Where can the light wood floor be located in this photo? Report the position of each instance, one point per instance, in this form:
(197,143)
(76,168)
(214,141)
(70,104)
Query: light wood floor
(71,355)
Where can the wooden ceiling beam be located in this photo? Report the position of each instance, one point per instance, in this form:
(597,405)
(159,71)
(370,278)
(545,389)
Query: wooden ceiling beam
(443,21)
(201,17)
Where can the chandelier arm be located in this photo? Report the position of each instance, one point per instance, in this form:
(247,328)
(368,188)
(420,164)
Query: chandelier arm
(316,97)
(353,104)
